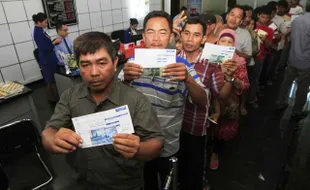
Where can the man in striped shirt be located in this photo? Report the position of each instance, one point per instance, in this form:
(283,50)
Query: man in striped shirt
(194,130)
(166,95)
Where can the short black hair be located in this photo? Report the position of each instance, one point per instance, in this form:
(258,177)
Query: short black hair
(196,21)
(273,5)
(59,25)
(247,8)
(91,42)
(283,4)
(133,21)
(183,9)
(39,17)
(161,14)
(308,6)
(237,7)
(266,10)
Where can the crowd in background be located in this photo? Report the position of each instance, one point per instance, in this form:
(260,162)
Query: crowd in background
(199,98)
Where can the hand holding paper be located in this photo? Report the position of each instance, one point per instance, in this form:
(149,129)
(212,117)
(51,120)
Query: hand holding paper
(65,141)
(177,72)
(132,71)
(229,67)
(126,144)
(153,60)
(98,129)
(216,53)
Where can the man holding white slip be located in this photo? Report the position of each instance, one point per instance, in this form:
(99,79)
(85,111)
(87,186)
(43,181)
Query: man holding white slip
(118,164)
(167,93)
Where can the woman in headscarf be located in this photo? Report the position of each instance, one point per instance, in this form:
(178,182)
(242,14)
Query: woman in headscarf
(229,119)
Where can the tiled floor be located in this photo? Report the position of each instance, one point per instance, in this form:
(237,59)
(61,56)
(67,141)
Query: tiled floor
(252,161)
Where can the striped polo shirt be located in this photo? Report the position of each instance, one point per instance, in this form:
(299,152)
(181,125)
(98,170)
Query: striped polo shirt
(168,100)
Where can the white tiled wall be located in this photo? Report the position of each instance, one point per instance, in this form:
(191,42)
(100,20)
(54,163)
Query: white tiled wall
(16,26)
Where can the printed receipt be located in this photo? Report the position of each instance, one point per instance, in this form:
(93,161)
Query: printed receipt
(97,129)
(217,53)
(154,58)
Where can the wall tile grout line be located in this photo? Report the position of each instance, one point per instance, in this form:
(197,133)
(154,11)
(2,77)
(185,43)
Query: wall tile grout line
(13,41)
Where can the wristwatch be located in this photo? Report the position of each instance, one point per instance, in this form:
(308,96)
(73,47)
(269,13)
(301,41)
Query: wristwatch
(231,80)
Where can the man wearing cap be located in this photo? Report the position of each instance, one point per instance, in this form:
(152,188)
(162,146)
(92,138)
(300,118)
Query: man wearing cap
(210,21)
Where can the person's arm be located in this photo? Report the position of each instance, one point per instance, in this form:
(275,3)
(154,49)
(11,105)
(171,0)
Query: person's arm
(229,68)
(130,146)
(183,71)
(56,137)
(218,87)
(241,54)
(216,110)
(241,82)
(60,141)
(44,44)
(225,90)
(267,40)
(57,49)
(149,149)
(196,91)
(246,52)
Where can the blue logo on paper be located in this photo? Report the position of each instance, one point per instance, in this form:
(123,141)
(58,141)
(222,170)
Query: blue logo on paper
(120,109)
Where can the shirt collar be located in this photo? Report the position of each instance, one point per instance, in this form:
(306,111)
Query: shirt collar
(113,95)
(238,30)
(198,58)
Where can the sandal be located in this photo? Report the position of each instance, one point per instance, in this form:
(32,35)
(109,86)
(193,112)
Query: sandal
(243,111)
(253,104)
(214,163)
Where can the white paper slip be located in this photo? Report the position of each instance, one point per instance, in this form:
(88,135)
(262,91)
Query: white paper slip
(217,53)
(98,128)
(154,58)
(273,26)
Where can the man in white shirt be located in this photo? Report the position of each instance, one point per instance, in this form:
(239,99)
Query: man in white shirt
(282,29)
(296,9)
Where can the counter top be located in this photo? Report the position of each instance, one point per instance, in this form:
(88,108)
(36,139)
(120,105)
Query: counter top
(25,91)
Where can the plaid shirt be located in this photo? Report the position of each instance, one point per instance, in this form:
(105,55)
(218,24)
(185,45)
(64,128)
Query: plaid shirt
(196,117)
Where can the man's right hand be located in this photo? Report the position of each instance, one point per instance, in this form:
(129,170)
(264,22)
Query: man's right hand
(132,71)
(65,141)
(176,23)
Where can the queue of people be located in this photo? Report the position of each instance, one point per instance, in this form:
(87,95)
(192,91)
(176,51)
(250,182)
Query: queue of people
(173,114)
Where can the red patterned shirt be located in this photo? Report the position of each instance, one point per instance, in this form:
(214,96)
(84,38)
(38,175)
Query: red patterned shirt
(196,117)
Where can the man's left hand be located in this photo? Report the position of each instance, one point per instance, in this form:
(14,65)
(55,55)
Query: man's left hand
(177,72)
(126,144)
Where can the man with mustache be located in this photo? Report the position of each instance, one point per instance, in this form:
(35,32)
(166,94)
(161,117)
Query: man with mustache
(194,129)
(110,167)
(167,94)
